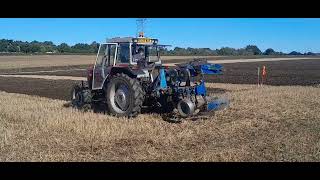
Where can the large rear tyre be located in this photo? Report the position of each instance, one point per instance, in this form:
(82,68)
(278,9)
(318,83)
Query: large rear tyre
(124,96)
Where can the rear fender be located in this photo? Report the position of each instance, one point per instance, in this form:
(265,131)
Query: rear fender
(125,70)
(115,70)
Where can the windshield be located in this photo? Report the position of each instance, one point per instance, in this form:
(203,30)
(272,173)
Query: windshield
(150,52)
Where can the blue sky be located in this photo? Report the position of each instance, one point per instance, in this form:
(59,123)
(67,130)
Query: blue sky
(281,34)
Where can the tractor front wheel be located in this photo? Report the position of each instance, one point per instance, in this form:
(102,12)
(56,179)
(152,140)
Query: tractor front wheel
(81,98)
(124,96)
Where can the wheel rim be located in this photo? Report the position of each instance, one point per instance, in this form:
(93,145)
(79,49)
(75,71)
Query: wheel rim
(119,97)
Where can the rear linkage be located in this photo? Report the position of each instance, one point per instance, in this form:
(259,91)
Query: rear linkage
(181,96)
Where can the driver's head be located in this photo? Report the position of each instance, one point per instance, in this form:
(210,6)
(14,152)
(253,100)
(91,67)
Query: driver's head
(140,51)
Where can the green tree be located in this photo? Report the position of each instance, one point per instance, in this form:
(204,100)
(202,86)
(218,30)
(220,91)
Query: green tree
(254,49)
(34,47)
(269,51)
(64,48)
(24,47)
(244,52)
(48,43)
(227,51)
(81,48)
(4,45)
(310,54)
(295,53)
(94,46)
(12,48)
(43,48)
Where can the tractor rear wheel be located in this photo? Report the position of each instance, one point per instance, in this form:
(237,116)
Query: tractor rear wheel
(124,96)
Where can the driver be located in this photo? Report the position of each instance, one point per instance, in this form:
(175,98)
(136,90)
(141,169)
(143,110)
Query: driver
(140,56)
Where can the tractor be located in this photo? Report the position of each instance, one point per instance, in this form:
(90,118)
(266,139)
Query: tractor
(128,76)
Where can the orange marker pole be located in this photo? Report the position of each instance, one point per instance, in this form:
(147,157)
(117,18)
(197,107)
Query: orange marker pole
(258,75)
(264,73)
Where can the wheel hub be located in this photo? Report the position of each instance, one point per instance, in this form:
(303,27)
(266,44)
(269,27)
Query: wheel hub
(120,98)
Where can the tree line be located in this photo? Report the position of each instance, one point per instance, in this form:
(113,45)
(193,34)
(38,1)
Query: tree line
(249,50)
(10,46)
(35,47)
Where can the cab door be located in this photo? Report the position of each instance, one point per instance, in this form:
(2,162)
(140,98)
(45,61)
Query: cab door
(104,61)
(124,54)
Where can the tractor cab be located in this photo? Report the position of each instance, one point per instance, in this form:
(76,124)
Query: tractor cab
(125,53)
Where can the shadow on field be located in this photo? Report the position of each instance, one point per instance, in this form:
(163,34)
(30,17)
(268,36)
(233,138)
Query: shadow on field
(102,110)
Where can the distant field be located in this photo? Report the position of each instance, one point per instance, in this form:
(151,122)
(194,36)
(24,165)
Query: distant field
(16,62)
(293,72)
(20,62)
(11,62)
(287,72)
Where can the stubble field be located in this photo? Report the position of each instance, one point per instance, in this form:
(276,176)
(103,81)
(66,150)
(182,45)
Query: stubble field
(270,123)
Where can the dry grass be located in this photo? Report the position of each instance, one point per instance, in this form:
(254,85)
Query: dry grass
(262,124)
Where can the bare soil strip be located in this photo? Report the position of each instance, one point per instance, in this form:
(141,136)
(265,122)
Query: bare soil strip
(295,72)
(228,61)
(54,88)
(47,77)
(258,60)
(18,63)
(47,71)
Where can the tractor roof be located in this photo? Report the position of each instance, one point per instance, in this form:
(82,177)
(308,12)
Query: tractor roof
(139,40)
(119,40)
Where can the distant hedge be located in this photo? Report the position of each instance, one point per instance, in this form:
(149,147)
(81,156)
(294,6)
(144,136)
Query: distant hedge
(11,47)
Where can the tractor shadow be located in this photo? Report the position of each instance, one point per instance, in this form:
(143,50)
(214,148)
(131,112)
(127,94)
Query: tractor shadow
(165,116)
(102,110)
(156,111)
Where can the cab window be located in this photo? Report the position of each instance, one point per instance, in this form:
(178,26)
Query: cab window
(123,53)
(110,54)
(101,55)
